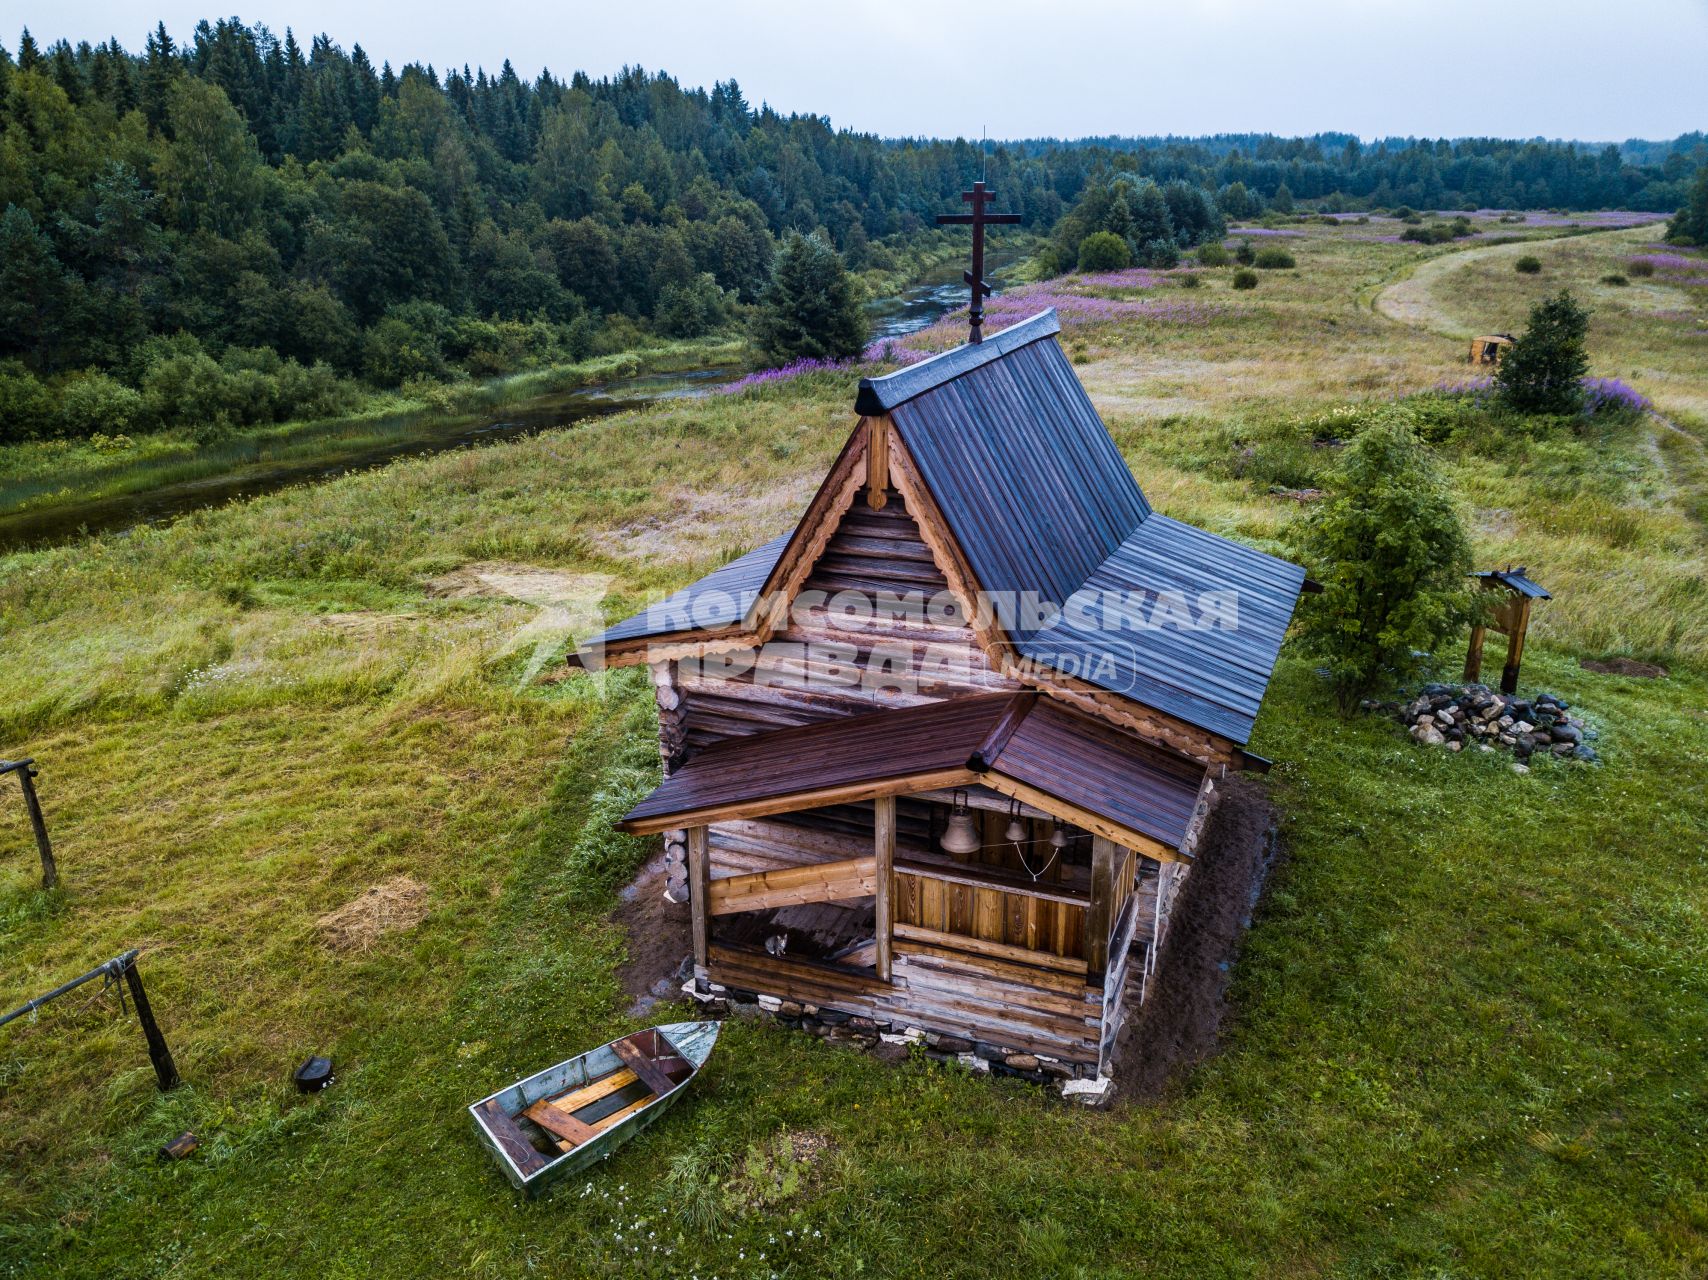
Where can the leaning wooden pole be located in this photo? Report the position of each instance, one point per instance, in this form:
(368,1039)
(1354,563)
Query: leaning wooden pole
(120,967)
(27,771)
(165,1070)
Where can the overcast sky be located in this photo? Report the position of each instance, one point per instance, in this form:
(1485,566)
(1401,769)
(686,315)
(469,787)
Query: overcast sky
(1516,68)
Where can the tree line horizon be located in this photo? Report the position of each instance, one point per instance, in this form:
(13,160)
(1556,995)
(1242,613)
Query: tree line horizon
(243,229)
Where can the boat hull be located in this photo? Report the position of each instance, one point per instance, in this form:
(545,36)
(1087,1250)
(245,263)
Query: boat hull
(494,1116)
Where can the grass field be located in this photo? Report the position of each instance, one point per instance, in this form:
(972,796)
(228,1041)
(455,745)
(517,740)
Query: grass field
(1469,1020)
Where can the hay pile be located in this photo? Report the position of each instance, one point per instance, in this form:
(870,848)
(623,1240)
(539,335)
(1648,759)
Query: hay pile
(388,907)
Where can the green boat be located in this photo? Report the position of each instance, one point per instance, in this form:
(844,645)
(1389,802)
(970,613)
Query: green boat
(566,1117)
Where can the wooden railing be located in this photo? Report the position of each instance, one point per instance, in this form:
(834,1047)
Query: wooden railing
(792,886)
(962,902)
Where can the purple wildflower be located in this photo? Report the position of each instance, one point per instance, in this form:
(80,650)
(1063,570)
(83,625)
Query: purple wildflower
(1609,395)
(794,369)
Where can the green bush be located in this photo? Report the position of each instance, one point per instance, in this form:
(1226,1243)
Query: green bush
(1161,254)
(1614,278)
(1528,265)
(1213,254)
(91,402)
(1275,258)
(1245,255)
(1104,251)
(1543,371)
(26,405)
(1391,552)
(1190,281)
(1245,279)
(1640,267)
(408,342)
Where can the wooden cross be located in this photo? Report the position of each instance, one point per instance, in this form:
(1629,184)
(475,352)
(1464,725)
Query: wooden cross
(978,197)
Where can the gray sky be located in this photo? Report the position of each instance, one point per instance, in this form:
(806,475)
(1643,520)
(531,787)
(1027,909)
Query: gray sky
(1514,68)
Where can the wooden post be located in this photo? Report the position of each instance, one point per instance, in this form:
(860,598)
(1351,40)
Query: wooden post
(699,898)
(877,461)
(1518,623)
(1474,655)
(1103,859)
(884,847)
(27,771)
(165,1070)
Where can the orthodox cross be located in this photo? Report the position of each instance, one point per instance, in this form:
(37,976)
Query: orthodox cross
(978,197)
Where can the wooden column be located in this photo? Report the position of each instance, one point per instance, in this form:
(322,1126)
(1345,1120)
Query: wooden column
(884,847)
(1474,655)
(1104,856)
(699,898)
(1518,614)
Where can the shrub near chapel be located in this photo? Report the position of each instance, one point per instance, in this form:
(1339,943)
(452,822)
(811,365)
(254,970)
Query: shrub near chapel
(1392,555)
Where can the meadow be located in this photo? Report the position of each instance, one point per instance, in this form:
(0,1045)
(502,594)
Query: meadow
(1468,1021)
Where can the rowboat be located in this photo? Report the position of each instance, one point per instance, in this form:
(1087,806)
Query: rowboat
(566,1117)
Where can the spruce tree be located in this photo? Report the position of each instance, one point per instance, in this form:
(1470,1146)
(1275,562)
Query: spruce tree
(1391,552)
(810,308)
(1543,372)
(1690,224)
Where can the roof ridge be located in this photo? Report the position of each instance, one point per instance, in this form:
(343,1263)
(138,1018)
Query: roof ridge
(880,395)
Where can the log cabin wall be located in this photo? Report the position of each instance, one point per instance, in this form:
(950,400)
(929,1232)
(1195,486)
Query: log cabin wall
(875,552)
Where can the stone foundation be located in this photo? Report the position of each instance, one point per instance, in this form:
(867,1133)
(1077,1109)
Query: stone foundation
(897,1042)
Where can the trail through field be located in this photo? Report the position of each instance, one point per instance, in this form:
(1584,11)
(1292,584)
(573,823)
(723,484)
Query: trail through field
(1413,300)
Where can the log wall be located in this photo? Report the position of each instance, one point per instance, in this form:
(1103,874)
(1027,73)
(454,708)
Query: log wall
(825,662)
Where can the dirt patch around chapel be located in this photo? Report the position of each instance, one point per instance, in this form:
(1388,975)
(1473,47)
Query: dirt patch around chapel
(1181,1020)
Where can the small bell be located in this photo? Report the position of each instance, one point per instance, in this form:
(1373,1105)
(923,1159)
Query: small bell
(960,836)
(1058,838)
(1015,832)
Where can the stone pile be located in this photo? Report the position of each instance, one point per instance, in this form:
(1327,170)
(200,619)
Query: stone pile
(1459,716)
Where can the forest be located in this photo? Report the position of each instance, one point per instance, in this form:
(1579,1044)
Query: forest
(239,229)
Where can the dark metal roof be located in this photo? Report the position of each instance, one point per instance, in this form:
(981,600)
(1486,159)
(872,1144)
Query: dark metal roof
(1095,766)
(1517,579)
(1050,748)
(884,746)
(1122,630)
(1022,468)
(882,395)
(1042,504)
(720,599)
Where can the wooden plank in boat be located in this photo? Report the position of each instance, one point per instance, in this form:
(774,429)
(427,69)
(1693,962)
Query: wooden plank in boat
(594,1112)
(509,1136)
(575,1099)
(561,1124)
(637,1061)
(617,1117)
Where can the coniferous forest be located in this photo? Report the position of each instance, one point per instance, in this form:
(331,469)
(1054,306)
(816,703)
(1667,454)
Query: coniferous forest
(239,228)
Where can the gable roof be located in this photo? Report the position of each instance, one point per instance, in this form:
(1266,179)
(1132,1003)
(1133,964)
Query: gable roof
(1033,487)
(720,599)
(1020,745)
(1039,501)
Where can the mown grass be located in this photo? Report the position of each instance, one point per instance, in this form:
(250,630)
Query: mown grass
(1468,1022)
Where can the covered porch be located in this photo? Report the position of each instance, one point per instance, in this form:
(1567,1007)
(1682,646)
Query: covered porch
(994,868)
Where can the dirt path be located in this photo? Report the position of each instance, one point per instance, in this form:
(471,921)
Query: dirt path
(1411,300)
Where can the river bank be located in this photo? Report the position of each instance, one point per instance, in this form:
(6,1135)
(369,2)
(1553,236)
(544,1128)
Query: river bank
(53,491)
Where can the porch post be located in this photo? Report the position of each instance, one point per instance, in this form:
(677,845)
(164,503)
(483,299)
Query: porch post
(884,850)
(1103,855)
(699,891)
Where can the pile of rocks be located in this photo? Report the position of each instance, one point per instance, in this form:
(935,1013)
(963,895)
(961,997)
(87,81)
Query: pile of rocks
(1457,716)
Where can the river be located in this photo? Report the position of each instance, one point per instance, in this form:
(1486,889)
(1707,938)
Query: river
(427,432)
